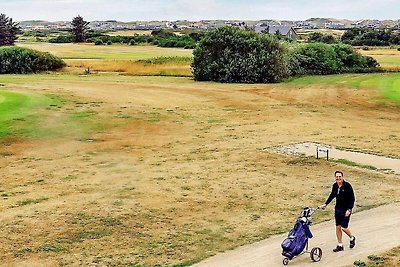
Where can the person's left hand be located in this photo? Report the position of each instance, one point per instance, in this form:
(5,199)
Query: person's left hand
(347,213)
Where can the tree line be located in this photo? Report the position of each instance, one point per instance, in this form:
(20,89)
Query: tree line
(359,37)
(231,55)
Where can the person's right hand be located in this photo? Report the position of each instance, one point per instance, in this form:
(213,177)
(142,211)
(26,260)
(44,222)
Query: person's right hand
(322,206)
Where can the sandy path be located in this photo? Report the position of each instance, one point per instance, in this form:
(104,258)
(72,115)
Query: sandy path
(373,236)
(309,149)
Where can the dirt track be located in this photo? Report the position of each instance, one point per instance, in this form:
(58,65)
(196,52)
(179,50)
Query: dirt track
(373,236)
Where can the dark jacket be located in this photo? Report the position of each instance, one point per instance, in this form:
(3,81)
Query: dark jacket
(344,197)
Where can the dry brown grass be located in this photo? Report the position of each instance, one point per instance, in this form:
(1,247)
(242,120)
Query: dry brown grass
(389,58)
(183,173)
(129,67)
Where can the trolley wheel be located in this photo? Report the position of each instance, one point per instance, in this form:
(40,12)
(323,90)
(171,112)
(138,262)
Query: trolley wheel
(285,261)
(316,254)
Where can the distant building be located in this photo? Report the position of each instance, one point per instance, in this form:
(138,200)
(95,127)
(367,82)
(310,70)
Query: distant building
(336,26)
(286,31)
(305,25)
(241,25)
(171,25)
(197,25)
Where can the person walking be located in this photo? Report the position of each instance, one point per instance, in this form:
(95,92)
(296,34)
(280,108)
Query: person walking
(344,194)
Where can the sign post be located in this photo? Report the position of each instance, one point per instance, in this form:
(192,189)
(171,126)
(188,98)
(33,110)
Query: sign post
(323,150)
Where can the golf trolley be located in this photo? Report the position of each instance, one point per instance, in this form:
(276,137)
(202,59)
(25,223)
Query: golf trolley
(296,243)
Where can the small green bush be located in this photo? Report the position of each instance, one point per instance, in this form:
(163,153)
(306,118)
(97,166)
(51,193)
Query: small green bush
(398,48)
(98,42)
(109,42)
(359,263)
(62,39)
(18,60)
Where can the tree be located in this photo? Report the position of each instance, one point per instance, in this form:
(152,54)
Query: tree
(317,37)
(8,30)
(79,29)
(229,54)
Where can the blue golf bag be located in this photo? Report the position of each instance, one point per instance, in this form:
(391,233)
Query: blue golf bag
(298,237)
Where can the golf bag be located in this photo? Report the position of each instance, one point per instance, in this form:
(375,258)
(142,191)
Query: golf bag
(297,238)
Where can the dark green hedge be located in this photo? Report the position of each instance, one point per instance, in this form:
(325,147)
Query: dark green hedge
(18,60)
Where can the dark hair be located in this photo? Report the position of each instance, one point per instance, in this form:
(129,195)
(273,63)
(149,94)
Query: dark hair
(339,172)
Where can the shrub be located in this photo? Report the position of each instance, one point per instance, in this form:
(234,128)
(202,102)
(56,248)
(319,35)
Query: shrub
(229,54)
(318,58)
(109,42)
(177,41)
(18,60)
(98,41)
(398,49)
(317,37)
(62,39)
(314,58)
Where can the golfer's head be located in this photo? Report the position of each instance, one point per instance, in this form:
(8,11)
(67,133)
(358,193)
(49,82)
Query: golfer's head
(339,177)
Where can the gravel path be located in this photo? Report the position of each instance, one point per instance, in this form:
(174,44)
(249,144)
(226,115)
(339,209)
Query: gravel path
(376,230)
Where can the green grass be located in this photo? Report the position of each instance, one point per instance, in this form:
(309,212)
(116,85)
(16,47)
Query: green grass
(388,84)
(354,164)
(29,116)
(18,113)
(169,59)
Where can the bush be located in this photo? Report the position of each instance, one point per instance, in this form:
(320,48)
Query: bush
(398,49)
(229,54)
(318,58)
(317,37)
(19,60)
(313,58)
(98,41)
(62,39)
(371,37)
(177,41)
(109,42)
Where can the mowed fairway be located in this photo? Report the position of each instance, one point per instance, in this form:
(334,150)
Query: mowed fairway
(163,171)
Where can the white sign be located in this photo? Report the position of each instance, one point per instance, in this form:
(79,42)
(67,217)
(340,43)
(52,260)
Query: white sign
(323,149)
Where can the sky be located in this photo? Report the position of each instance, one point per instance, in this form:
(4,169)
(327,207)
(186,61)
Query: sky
(194,10)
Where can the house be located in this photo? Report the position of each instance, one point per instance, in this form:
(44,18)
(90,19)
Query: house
(335,26)
(171,25)
(197,25)
(286,31)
